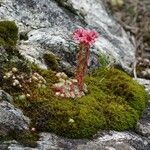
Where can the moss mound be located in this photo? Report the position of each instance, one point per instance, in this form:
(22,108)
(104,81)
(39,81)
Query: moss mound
(114,100)
(8,33)
(26,138)
(51,61)
(118,83)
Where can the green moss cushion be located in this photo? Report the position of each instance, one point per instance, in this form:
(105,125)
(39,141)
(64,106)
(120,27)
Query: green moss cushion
(51,61)
(118,83)
(114,101)
(8,33)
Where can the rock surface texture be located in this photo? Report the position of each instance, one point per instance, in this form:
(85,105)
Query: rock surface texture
(49,26)
(11,118)
(106,141)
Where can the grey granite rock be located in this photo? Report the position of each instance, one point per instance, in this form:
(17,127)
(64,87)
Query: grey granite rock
(50,28)
(143,126)
(105,141)
(11,119)
(145,83)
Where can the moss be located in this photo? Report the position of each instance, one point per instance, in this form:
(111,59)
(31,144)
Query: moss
(103,60)
(114,101)
(49,75)
(116,82)
(121,116)
(2,42)
(25,138)
(87,119)
(13,52)
(11,58)
(51,61)
(8,33)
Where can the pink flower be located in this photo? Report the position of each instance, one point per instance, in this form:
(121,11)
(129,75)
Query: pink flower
(86,37)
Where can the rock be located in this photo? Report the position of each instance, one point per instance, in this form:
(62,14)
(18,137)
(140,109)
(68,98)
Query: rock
(145,83)
(143,128)
(116,141)
(5,145)
(144,73)
(49,27)
(148,71)
(146,61)
(11,119)
(105,141)
(5,96)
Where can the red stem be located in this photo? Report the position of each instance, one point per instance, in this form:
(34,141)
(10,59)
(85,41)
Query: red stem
(82,64)
(86,59)
(79,58)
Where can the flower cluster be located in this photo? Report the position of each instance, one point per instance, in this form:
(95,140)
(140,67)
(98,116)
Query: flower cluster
(22,80)
(39,79)
(13,75)
(68,87)
(86,37)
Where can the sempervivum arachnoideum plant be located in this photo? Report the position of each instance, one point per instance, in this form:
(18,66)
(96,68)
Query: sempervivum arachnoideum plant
(85,39)
(21,81)
(67,87)
(76,88)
